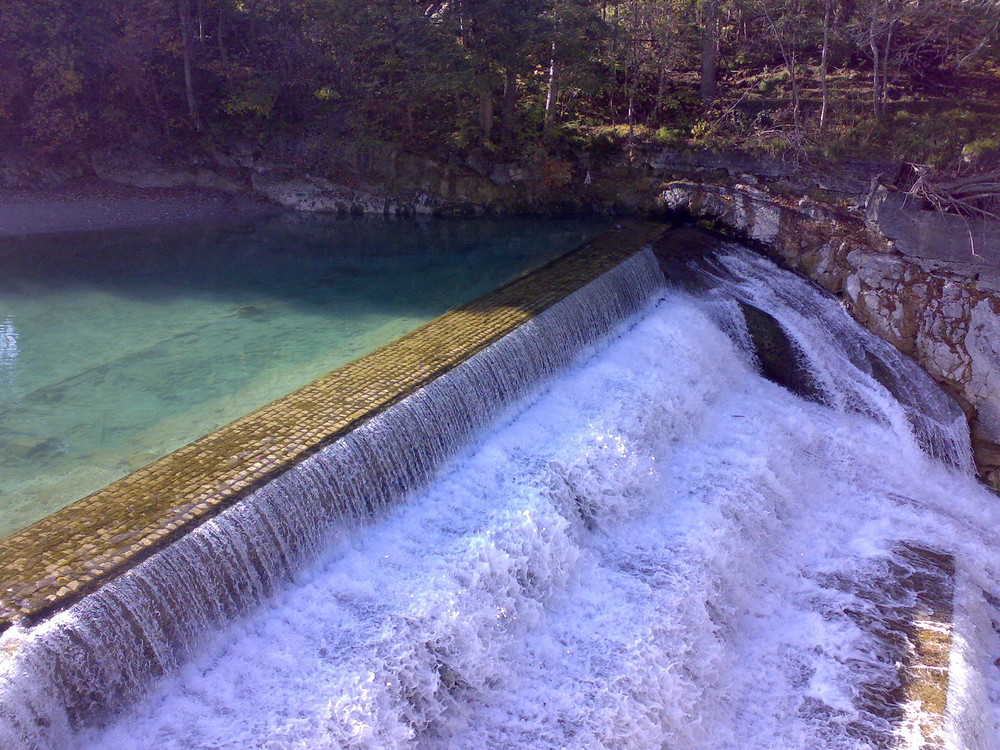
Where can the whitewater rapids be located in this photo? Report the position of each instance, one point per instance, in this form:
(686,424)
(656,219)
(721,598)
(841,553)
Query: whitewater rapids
(638,555)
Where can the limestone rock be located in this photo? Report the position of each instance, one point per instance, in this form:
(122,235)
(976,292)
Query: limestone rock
(317,194)
(982,342)
(780,360)
(141,169)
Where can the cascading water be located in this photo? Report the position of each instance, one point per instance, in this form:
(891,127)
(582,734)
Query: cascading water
(85,664)
(852,367)
(661,549)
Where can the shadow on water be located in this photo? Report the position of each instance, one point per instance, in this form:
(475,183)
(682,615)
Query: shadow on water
(306,261)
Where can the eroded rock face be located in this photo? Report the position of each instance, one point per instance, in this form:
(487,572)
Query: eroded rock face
(19,170)
(937,304)
(137,168)
(314,175)
(780,360)
(316,194)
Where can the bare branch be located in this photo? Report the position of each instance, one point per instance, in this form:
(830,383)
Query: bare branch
(976,196)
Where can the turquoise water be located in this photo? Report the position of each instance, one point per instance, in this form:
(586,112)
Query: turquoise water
(119,347)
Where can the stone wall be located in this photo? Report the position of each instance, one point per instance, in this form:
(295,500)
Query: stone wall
(929,284)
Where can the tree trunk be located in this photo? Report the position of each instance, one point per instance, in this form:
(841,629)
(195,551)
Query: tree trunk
(877,83)
(789,54)
(552,95)
(254,48)
(485,107)
(635,69)
(880,34)
(886,51)
(793,76)
(823,64)
(630,116)
(709,51)
(509,99)
(219,33)
(411,125)
(661,93)
(612,112)
(200,12)
(183,12)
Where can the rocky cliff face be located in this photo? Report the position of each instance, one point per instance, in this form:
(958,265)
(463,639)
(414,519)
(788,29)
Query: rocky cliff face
(929,284)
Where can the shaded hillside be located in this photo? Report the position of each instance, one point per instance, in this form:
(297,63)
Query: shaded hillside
(916,81)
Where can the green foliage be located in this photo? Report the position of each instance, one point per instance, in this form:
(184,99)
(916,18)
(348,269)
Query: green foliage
(937,140)
(256,97)
(504,77)
(983,153)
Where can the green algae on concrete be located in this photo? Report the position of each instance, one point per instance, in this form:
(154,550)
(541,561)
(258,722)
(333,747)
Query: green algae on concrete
(58,560)
(925,670)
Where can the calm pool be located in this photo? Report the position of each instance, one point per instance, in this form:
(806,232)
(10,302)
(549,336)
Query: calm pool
(119,347)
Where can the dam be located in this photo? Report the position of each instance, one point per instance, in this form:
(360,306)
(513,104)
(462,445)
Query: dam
(658,493)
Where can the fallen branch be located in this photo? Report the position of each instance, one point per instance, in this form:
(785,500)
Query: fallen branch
(976,196)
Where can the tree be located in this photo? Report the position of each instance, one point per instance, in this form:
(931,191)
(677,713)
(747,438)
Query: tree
(921,34)
(790,23)
(825,64)
(502,40)
(573,30)
(709,50)
(880,22)
(184,16)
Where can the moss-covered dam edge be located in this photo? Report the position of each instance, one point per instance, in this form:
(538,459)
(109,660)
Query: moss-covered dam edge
(57,561)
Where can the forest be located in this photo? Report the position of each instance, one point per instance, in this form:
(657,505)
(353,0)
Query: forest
(915,79)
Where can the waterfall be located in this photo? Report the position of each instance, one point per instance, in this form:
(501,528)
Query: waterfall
(618,534)
(86,663)
(848,367)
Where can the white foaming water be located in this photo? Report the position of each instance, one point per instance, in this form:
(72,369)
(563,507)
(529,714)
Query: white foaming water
(8,352)
(101,654)
(642,558)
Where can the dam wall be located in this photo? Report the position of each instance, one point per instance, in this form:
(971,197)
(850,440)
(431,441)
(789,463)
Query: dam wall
(104,596)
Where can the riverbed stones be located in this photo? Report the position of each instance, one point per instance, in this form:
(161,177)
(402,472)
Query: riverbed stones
(905,604)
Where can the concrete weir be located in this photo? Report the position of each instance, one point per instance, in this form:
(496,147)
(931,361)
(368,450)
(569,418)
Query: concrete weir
(127,581)
(131,583)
